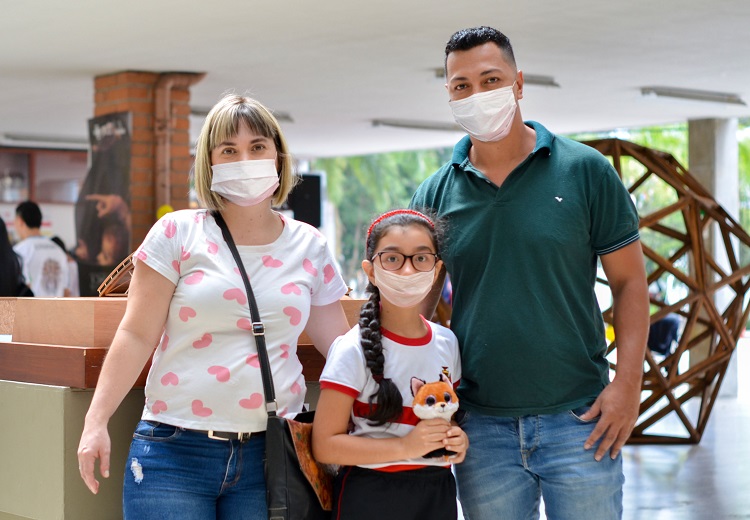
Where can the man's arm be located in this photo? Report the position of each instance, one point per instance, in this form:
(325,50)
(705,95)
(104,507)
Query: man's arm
(619,402)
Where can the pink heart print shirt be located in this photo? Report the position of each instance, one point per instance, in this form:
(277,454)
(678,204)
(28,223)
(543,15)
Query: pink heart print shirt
(205,372)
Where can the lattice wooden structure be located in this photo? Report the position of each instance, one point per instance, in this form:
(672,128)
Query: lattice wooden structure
(711,289)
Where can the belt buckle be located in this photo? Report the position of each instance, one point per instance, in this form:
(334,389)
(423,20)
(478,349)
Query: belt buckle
(215,437)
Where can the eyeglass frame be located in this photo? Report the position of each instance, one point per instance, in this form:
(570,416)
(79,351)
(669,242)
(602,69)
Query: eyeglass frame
(406,257)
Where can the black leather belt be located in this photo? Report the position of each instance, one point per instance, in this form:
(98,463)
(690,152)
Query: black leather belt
(229,436)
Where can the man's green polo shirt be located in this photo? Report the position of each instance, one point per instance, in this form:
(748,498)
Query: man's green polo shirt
(522,259)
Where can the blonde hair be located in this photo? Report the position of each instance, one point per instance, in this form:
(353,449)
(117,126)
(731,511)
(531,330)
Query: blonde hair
(222,123)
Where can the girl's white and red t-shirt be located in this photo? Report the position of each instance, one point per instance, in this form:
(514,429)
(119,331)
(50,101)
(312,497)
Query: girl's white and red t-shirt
(205,372)
(425,358)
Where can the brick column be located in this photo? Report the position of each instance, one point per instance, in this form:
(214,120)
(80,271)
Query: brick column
(140,93)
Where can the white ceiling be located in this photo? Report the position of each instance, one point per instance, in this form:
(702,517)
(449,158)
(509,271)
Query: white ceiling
(335,65)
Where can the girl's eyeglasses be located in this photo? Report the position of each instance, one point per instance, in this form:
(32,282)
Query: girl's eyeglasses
(392,261)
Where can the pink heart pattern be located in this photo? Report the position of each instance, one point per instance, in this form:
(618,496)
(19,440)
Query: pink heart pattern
(176,266)
(244,324)
(236,294)
(253,360)
(165,343)
(194,278)
(184,255)
(328,273)
(296,388)
(170,228)
(141,255)
(255,401)
(221,373)
(270,261)
(308,266)
(200,410)
(186,313)
(212,247)
(285,351)
(295,315)
(170,378)
(158,407)
(204,342)
(290,288)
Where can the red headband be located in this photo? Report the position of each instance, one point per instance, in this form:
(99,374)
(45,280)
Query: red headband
(399,212)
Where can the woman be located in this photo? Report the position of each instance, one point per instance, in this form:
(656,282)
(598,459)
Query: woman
(11,276)
(198,451)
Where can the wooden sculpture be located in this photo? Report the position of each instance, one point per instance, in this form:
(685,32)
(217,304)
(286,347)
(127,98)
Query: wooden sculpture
(710,306)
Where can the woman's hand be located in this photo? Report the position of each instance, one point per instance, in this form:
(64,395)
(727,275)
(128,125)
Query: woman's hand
(95,444)
(457,441)
(428,435)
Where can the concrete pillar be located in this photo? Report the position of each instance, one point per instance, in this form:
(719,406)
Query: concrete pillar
(713,159)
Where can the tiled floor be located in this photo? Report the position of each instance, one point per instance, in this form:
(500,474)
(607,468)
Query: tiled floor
(708,481)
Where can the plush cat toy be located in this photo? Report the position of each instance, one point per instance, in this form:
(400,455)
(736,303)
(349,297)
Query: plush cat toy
(434,400)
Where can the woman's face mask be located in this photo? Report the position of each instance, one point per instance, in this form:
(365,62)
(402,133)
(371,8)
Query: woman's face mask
(245,183)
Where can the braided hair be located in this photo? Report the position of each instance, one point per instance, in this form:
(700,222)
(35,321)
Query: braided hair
(388,396)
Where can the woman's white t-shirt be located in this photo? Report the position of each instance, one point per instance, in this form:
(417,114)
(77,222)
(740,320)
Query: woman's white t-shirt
(205,373)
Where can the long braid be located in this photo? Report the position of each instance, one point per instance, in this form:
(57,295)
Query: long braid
(389,401)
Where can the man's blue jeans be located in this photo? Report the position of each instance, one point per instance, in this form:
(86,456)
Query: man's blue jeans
(513,461)
(177,474)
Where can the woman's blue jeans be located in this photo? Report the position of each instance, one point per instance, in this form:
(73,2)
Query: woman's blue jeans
(172,473)
(513,461)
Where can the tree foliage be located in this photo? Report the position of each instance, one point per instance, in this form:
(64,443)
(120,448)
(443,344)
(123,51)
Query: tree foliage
(362,187)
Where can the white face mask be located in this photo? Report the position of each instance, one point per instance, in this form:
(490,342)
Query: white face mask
(487,116)
(403,291)
(245,183)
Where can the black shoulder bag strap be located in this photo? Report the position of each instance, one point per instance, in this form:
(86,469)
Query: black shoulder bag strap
(258,328)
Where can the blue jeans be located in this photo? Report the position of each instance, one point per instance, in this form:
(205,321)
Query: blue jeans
(513,461)
(177,474)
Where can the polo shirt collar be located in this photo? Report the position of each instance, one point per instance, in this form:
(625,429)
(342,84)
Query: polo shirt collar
(544,140)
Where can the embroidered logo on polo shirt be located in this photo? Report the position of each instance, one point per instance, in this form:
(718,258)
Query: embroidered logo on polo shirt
(558,199)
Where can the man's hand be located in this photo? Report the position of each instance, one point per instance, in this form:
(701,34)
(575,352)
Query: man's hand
(618,407)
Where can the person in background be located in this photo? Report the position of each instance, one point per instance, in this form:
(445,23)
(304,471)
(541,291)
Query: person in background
(529,214)
(45,266)
(12,282)
(369,380)
(199,449)
(72,288)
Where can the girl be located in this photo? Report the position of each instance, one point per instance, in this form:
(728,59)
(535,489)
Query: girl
(367,381)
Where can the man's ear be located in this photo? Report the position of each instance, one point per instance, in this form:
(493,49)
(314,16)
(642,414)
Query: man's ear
(519,84)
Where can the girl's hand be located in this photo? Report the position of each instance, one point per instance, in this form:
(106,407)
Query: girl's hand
(457,441)
(427,435)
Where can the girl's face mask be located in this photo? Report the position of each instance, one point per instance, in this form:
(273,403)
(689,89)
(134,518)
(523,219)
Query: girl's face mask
(403,291)
(245,183)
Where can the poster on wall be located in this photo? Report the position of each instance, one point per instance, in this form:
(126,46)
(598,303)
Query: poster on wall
(102,212)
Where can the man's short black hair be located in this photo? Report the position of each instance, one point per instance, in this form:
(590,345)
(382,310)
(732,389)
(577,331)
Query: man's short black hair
(30,214)
(467,39)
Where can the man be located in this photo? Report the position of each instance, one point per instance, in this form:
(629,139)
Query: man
(528,214)
(45,265)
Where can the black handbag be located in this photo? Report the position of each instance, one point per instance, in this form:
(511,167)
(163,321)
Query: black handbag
(297,488)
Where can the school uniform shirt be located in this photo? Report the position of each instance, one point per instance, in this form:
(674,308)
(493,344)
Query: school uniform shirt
(205,372)
(425,358)
(45,266)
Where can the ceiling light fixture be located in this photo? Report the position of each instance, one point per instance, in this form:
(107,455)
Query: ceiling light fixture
(44,141)
(695,95)
(202,112)
(418,125)
(538,80)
